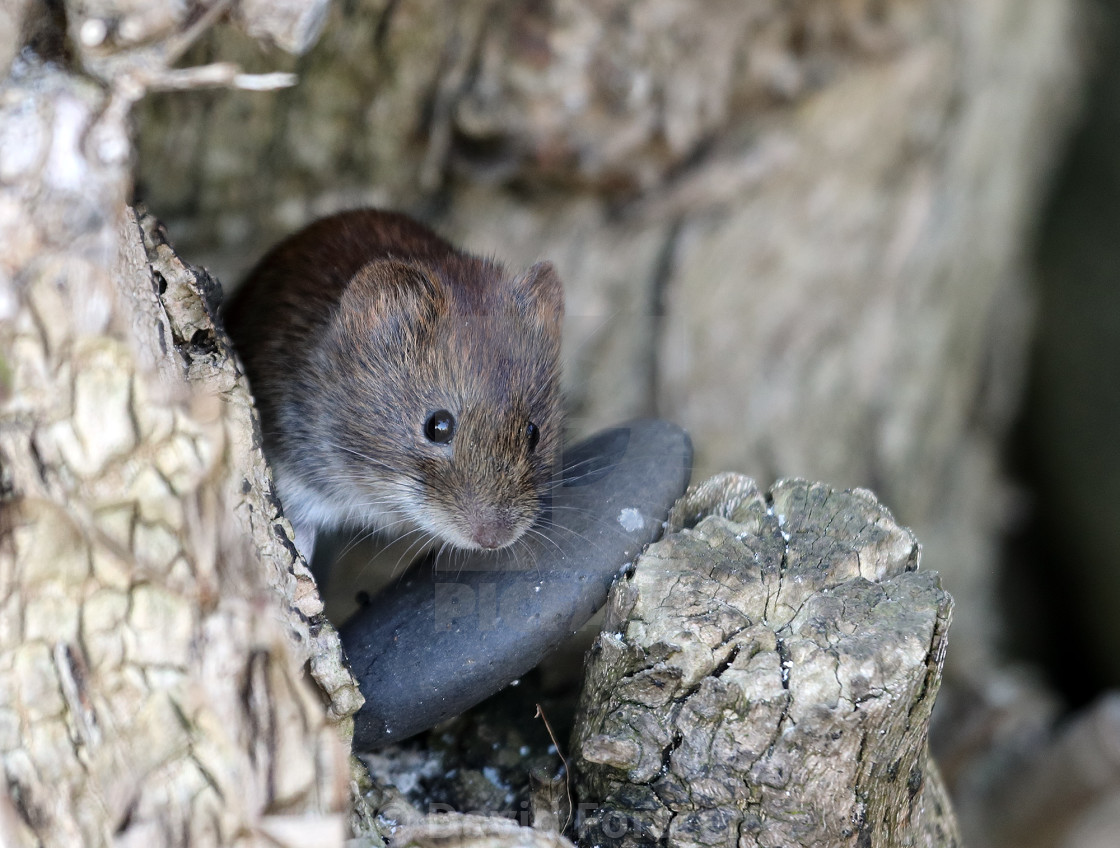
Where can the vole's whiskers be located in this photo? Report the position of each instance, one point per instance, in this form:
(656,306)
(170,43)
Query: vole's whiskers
(535,531)
(375,461)
(599,465)
(422,538)
(594,517)
(565,472)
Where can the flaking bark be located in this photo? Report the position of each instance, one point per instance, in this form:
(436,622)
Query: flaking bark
(152,686)
(765,677)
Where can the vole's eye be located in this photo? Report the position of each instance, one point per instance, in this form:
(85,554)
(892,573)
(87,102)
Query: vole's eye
(533,434)
(440,427)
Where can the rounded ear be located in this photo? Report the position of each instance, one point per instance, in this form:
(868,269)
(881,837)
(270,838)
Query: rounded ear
(389,290)
(540,295)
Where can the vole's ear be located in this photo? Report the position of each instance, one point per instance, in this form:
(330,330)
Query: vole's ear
(389,290)
(539,295)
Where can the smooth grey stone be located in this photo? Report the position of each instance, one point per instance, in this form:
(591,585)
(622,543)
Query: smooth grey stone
(449,635)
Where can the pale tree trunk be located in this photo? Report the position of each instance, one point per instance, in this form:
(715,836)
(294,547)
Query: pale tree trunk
(152,686)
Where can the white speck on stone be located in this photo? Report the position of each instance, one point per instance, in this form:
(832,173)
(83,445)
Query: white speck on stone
(631,519)
(781,520)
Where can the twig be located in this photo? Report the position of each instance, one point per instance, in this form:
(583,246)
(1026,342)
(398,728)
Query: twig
(176,46)
(567,772)
(218,74)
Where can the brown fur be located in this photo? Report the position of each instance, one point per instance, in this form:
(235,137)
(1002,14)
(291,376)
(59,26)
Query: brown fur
(353,331)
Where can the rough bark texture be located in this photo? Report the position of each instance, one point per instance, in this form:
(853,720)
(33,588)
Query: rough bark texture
(152,686)
(765,677)
(186,321)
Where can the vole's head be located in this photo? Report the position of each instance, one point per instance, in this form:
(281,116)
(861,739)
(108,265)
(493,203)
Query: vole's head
(446,416)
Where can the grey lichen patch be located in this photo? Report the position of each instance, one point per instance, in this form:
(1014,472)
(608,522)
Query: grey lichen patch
(765,677)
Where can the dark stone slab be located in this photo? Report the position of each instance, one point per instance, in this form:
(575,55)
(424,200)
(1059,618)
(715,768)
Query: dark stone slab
(447,636)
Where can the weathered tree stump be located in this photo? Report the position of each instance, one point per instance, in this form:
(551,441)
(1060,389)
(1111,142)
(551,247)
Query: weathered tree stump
(765,677)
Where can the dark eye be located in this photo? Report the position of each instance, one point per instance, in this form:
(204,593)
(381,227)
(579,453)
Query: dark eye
(440,427)
(533,434)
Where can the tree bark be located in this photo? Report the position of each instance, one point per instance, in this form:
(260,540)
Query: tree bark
(765,677)
(151,671)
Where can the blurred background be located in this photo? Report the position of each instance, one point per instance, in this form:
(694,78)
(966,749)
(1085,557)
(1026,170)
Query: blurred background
(870,243)
(1063,562)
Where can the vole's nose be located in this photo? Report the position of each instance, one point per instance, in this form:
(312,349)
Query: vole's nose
(488,538)
(491,529)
